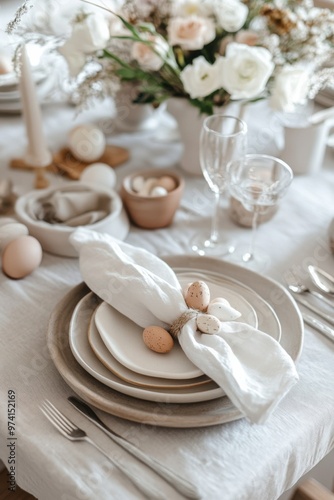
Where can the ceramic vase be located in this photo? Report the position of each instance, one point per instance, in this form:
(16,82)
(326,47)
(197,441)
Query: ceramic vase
(190,121)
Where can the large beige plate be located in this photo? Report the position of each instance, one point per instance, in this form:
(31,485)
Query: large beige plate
(169,415)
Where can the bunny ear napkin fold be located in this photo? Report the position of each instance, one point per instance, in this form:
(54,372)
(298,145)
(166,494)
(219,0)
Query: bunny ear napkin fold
(253,370)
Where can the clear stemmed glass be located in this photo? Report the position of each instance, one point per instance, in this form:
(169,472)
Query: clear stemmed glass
(223,138)
(258,182)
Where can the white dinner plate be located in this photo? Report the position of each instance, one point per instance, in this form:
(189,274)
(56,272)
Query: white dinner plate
(123,338)
(78,338)
(122,372)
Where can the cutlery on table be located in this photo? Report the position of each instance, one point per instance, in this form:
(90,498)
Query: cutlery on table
(321,279)
(315,309)
(74,433)
(178,482)
(326,330)
(299,288)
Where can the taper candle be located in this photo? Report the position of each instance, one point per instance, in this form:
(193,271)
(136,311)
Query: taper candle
(38,154)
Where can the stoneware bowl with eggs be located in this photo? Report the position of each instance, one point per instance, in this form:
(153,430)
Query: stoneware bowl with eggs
(54,238)
(151,197)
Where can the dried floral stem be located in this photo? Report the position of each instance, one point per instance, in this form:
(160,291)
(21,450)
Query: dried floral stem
(21,11)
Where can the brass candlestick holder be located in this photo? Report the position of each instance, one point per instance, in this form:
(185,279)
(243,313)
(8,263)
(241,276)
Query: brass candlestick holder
(40,182)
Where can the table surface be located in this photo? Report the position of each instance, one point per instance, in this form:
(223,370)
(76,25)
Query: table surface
(233,461)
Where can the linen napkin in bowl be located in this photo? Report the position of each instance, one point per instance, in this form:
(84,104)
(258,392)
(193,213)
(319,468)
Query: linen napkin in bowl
(74,205)
(251,367)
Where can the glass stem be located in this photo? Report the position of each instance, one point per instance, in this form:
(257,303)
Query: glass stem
(215,220)
(254,233)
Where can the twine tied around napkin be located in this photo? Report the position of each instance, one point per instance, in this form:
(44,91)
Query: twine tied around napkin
(253,370)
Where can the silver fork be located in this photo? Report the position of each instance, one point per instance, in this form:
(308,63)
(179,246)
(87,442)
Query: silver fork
(74,433)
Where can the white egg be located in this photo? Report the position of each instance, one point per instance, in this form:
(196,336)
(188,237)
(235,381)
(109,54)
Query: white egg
(158,191)
(223,310)
(206,323)
(99,174)
(10,232)
(87,142)
(148,186)
(138,183)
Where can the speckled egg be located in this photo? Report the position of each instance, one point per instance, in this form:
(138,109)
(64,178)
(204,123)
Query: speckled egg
(197,295)
(158,339)
(206,323)
(21,257)
(222,309)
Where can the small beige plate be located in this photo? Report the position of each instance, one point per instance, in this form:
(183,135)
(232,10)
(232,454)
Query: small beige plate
(111,363)
(123,338)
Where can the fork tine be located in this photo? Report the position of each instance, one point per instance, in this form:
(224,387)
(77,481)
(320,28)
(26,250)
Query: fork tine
(51,419)
(60,415)
(56,418)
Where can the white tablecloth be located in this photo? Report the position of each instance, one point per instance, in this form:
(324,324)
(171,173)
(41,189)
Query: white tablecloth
(234,461)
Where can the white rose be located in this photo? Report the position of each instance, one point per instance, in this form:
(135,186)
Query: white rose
(150,57)
(290,88)
(245,70)
(192,32)
(231,14)
(88,36)
(201,78)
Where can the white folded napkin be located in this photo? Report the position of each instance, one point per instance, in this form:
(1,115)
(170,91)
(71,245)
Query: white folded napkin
(73,205)
(250,366)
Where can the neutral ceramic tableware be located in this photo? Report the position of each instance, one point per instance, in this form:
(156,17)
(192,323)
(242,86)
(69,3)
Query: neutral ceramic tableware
(152,212)
(123,339)
(201,414)
(54,238)
(84,355)
(122,372)
(322,279)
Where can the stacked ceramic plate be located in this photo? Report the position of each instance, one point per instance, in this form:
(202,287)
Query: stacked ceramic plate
(101,355)
(10,101)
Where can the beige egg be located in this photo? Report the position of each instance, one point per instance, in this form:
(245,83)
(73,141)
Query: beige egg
(167,182)
(206,323)
(6,65)
(11,231)
(137,183)
(21,257)
(158,339)
(87,142)
(222,309)
(147,187)
(197,296)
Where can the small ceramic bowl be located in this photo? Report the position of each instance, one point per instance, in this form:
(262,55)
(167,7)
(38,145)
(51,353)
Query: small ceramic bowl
(54,238)
(152,212)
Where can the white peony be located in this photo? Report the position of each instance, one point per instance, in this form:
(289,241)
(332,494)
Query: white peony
(201,78)
(192,32)
(150,57)
(88,35)
(231,14)
(290,88)
(245,70)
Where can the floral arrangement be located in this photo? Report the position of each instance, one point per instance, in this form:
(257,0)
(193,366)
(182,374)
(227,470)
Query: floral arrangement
(208,51)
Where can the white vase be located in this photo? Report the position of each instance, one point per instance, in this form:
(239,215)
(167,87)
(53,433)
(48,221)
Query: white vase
(129,116)
(190,121)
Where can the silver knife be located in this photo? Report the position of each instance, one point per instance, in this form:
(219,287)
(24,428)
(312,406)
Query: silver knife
(311,307)
(319,326)
(178,482)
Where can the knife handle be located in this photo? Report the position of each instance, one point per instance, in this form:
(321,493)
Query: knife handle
(326,330)
(315,309)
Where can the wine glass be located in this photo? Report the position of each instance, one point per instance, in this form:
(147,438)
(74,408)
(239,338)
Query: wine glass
(258,181)
(222,139)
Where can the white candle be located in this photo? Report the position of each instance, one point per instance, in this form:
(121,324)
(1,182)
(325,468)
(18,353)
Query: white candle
(38,154)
